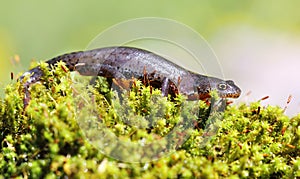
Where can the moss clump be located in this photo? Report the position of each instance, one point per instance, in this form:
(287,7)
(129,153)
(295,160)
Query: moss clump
(46,140)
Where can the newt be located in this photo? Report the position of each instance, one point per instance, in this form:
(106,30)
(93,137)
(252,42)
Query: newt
(121,64)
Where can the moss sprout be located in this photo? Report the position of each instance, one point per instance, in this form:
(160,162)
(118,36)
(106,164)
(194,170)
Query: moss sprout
(48,139)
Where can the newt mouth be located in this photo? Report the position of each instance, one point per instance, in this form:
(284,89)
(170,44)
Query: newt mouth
(231,95)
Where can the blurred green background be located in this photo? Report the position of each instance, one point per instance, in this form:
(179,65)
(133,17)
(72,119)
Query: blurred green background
(40,30)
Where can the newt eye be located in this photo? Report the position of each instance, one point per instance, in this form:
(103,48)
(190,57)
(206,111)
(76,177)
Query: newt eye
(222,86)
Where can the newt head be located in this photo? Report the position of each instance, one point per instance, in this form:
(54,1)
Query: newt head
(228,89)
(225,88)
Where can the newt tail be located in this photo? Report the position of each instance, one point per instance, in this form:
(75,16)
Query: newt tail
(121,64)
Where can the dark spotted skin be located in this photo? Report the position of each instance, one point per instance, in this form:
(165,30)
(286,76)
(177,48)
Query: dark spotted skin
(122,64)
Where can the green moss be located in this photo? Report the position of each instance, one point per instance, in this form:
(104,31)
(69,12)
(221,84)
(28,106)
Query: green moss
(49,139)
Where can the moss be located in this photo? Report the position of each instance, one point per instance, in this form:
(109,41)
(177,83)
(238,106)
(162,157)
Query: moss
(50,138)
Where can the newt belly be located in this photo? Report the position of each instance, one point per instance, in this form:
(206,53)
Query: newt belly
(122,64)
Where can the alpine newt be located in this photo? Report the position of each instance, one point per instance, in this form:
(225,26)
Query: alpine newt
(121,64)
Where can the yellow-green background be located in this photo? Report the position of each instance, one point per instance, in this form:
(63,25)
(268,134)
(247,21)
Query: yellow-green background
(40,30)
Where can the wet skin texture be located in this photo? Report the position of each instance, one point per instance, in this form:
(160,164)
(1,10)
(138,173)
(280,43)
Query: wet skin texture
(120,65)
